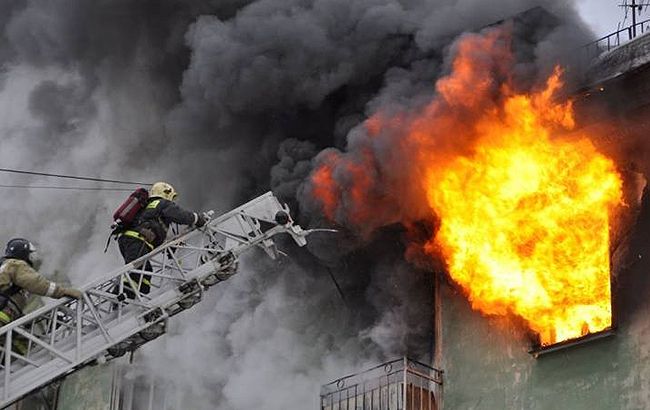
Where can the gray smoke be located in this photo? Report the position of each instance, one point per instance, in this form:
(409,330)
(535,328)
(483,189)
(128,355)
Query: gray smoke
(227,99)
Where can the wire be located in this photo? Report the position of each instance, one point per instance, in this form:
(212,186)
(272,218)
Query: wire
(641,7)
(336,283)
(114,181)
(76,188)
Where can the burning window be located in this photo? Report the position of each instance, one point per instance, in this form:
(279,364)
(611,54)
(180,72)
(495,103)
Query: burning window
(522,197)
(525,221)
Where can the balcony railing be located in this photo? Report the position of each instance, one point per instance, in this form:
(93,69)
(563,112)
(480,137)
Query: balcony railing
(618,38)
(401,384)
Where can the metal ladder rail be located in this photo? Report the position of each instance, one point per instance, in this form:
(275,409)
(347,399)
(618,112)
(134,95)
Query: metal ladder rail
(70,334)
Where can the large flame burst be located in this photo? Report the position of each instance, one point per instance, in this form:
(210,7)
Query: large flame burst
(525,220)
(524,211)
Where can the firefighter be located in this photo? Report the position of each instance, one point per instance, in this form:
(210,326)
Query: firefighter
(19,278)
(149,230)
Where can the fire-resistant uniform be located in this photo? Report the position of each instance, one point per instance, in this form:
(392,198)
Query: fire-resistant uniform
(150,231)
(18,279)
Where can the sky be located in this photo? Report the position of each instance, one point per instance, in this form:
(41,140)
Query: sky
(604,15)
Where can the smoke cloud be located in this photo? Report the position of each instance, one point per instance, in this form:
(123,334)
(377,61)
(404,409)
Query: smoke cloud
(225,100)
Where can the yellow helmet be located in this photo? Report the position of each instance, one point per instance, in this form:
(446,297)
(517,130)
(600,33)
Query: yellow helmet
(163,190)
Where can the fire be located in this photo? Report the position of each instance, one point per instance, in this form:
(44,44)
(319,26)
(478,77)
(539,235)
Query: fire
(525,219)
(325,190)
(524,210)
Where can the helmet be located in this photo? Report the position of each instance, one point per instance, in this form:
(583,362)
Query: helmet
(19,248)
(163,190)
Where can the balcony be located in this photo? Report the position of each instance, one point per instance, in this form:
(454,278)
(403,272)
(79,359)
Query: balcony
(383,388)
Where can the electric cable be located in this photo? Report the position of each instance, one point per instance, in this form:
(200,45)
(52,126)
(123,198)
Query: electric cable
(336,283)
(82,178)
(72,188)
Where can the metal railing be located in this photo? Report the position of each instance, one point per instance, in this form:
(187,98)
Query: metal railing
(617,38)
(401,384)
(109,322)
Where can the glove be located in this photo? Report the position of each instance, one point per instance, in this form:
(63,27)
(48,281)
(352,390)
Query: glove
(72,292)
(200,220)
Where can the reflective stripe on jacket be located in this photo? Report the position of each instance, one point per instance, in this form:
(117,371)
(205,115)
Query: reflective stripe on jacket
(138,235)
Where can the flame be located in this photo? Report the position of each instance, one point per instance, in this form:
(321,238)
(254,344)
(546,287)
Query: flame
(524,210)
(525,219)
(325,189)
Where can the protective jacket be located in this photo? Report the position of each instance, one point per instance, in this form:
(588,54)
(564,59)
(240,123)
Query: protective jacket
(17,280)
(153,221)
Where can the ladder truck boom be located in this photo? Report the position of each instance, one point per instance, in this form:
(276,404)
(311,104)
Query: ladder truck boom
(69,334)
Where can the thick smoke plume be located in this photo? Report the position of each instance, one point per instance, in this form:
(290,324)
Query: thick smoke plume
(225,99)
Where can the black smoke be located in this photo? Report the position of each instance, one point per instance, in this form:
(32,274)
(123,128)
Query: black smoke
(226,100)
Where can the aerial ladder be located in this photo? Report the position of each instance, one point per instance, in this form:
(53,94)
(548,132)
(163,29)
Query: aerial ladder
(107,323)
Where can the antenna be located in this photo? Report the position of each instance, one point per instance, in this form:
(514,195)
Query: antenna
(634,6)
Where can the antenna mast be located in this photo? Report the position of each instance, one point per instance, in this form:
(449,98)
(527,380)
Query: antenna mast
(634,6)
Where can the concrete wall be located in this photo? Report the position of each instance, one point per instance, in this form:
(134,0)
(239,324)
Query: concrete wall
(620,60)
(487,364)
(488,367)
(88,389)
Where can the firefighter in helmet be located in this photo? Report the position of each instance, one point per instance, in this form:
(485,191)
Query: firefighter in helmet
(149,231)
(19,278)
